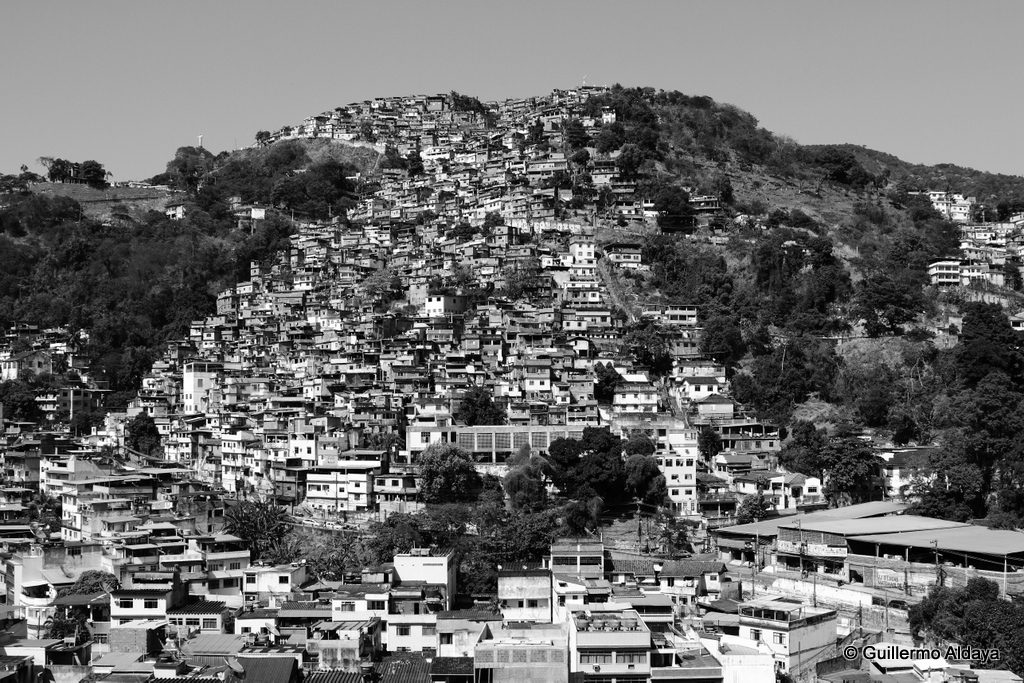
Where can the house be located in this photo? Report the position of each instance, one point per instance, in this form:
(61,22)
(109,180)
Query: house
(459,631)
(609,643)
(624,254)
(203,616)
(270,584)
(174,211)
(791,629)
(690,580)
(34,362)
(635,397)
(525,595)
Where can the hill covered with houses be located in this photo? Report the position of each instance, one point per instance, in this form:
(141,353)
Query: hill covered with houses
(502,338)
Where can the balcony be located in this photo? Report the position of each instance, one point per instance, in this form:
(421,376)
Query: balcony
(722,497)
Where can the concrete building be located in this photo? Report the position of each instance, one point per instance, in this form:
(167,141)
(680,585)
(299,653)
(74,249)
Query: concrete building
(525,595)
(792,630)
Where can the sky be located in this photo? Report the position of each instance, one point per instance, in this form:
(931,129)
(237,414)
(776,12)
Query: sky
(127,83)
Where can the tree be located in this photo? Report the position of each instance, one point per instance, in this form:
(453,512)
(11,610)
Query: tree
(19,400)
(629,160)
(448,473)
(1011,274)
(575,134)
(526,483)
(673,206)
(477,407)
(327,556)
(988,344)
(262,137)
(675,534)
(366,132)
(885,304)
(709,443)
(644,480)
(383,285)
(142,435)
(647,344)
(415,164)
(851,472)
(610,138)
(91,582)
(580,158)
(753,509)
(92,173)
(802,453)
(722,339)
(639,443)
(399,533)
(59,170)
(973,616)
(606,380)
(261,524)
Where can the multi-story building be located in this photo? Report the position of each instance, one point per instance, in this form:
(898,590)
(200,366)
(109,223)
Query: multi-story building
(790,628)
(609,644)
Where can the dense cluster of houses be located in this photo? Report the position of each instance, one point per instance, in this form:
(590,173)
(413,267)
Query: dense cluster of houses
(323,376)
(986,249)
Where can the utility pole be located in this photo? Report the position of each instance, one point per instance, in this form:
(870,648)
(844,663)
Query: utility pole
(938,569)
(639,525)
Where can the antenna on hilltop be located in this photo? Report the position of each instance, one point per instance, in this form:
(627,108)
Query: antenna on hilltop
(200,142)
(584,80)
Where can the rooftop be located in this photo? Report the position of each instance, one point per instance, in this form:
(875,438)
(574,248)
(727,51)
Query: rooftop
(625,620)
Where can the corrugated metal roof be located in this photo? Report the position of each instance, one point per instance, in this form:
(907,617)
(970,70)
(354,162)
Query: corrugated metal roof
(270,669)
(961,539)
(199,607)
(451,666)
(214,643)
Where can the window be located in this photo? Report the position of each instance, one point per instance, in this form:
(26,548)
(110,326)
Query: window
(429,630)
(250,579)
(531,603)
(446,638)
(778,639)
(755,634)
(595,657)
(150,604)
(100,638)
(246,629)
(193,621)
(630,658)
(376,604)
(347,607)
(235,565)
(284,578)
(126,603)
(209,623)
(424,437)
(402,630)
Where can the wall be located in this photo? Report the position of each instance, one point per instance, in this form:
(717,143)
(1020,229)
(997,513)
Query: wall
(918,577)
(66,673)
(133,640)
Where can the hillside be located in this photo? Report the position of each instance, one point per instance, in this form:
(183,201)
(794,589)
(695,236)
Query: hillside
(105,204)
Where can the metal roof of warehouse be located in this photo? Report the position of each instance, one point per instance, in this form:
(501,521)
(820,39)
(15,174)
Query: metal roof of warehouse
(961,539)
